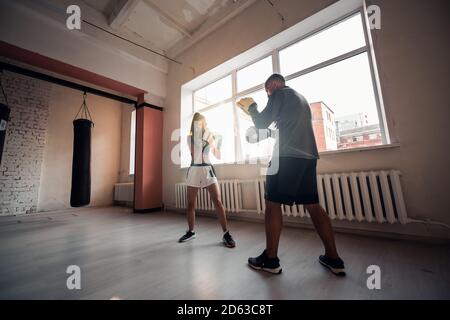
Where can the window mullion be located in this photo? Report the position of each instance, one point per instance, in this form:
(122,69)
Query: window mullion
(385,136)
(236,129)
(250,90)
(276,61)
(327,63)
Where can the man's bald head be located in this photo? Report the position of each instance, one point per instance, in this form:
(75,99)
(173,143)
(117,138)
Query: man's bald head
(274,82)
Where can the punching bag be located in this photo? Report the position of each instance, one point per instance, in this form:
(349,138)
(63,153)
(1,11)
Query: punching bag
(80,194)
(4,116)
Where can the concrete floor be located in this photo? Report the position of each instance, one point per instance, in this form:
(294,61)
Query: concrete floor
(134,256)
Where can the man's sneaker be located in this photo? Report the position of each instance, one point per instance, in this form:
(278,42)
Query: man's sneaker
(265,263)
(336,266)
(188,236)
(228,240)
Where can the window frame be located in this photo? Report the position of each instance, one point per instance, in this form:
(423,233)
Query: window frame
(258,86)
(132,148)
(275,54)
(367,48)
(216,103)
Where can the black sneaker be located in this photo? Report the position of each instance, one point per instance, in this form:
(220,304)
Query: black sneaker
(228,240)
(188,236)
(265,263)
(336,266)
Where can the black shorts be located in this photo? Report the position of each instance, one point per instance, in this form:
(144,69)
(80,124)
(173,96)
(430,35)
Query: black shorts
(295,182)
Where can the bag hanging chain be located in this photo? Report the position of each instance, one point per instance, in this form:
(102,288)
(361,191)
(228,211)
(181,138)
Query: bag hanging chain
(84,110)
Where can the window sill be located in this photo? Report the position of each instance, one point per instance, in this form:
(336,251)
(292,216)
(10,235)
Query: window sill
(384,146)
(265,161)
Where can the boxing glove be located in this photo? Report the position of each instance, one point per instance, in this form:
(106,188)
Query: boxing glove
(245,104)
(253,135)
(218,140)
(212,137)
(207,135)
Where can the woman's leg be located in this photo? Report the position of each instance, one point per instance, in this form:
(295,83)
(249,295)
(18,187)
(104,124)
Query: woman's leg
(192,199)
(214,192)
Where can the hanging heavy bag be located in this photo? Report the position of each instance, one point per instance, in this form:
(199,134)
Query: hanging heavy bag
(4,117)
(80,194)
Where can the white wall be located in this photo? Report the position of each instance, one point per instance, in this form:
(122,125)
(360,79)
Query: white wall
(56,176)
(413,66)
(30,25)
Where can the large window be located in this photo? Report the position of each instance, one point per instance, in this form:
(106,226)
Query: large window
(248,151)
(331,67)
(251,75)
(217,100)
(213,93)
(332,70)
(332,42)
(220,120)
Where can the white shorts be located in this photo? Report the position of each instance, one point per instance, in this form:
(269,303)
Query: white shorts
(200,176)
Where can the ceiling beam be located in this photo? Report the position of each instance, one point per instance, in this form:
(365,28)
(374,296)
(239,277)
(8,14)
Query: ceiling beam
(210,26)
(170,18)
(121,11)
(56,10)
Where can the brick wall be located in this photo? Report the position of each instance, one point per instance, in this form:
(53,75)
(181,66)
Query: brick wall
(318,125)
(20,169)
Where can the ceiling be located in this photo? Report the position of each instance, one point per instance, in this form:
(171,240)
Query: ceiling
(101,5)
(165,24)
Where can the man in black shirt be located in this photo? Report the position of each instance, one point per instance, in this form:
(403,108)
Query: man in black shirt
(294,180)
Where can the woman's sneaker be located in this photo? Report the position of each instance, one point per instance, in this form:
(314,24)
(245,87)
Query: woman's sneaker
(336,266)
(188,236)
(228,240)
(265,263)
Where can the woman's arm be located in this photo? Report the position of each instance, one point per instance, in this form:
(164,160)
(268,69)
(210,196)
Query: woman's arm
(215,151)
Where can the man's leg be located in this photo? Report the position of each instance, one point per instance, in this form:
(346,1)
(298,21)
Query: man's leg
(274,224)
(322,224)
(268,260)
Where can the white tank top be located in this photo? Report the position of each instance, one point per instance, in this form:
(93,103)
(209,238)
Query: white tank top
(201,150)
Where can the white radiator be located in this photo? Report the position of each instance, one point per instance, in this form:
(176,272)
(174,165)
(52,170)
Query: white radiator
(374,196)
(124,192)
(230,191)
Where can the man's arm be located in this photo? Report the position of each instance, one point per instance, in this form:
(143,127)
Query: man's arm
(253,135)
(264,119)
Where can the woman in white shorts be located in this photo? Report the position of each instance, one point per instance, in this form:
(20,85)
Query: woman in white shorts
(201,174)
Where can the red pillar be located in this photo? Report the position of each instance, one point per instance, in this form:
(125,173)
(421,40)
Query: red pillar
(148,162)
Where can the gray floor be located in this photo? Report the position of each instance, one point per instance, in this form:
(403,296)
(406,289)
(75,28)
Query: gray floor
(133,256)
